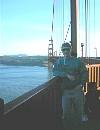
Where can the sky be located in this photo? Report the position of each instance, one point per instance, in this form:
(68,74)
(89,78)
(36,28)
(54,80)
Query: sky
(93,28)
(26,26)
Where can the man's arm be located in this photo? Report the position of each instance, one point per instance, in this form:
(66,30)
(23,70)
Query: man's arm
(83,73)
(57,69)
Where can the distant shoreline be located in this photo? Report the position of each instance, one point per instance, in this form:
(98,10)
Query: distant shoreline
(24,60)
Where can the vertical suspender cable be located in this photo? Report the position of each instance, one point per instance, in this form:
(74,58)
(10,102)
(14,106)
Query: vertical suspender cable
(86,20)
(59,27)
(63,20)
(82,32)
(68,28)
(79,20)
(88,32)
(94,33)
(52,27)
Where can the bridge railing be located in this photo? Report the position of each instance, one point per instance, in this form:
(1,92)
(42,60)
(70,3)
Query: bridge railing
(94,76)
(38,108)
(94,73)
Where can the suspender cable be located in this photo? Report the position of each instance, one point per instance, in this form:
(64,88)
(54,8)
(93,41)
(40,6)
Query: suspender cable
(53,16)
(63,20)
(88,39)
(78,21)
(89,31)
(86,20)
(81,24)
(94,30)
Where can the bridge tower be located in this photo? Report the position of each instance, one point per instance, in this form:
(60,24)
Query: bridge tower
(73,4)
(50,49)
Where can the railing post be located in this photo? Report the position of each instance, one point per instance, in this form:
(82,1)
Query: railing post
(1,107)
(94,73)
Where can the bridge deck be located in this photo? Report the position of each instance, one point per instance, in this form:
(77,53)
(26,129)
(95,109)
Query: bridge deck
(44,121)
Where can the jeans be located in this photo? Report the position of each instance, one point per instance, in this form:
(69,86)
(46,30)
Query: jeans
(73,108)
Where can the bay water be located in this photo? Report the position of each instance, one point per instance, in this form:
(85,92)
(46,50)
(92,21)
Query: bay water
(17,80)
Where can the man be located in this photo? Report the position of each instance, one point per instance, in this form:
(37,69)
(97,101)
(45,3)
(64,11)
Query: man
(74,74)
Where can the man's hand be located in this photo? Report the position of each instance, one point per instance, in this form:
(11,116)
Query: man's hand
(71,77)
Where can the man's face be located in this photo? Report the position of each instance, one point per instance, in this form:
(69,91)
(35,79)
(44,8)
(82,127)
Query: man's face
(66,51)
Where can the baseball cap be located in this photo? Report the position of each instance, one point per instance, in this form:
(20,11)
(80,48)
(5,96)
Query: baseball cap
(65,46)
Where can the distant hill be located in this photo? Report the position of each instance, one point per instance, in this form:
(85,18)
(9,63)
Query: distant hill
(23,60)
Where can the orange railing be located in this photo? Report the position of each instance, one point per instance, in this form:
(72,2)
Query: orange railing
(94,73)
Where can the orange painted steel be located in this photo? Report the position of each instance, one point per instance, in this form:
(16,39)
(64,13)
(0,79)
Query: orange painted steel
(94,73)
